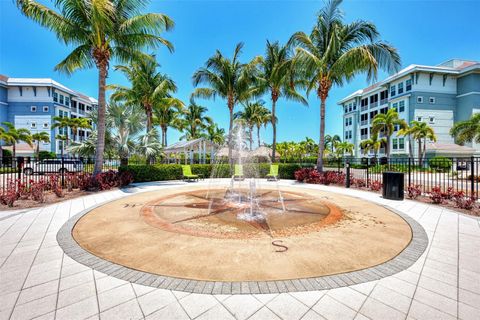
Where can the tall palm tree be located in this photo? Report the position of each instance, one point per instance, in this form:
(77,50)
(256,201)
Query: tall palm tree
(40,137)
(385,123)
(167,113)
(195,120)
(148,144)
(309,145)
(332,141)
(229,79)
(149,87)
(344,147)
(13,136)
(467,131)
(100,31)
(335,52)
(374,144)
(420,131)
(279,79)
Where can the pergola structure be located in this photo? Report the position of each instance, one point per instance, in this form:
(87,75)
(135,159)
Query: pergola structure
(198,146)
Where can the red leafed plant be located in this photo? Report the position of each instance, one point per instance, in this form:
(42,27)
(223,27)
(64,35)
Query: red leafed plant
(436,195)
(11,194)
(56,186)
(37,190)
(449,194)
(414,191)
(464,202)
(375,185)
(358,183)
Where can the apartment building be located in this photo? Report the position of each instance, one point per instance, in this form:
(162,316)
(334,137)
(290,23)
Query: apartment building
(31,103)
(439,95)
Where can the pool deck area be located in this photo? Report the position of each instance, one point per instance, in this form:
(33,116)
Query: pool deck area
(39,281)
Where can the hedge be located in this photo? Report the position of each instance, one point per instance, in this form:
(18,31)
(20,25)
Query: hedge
(160,172)
(440,163)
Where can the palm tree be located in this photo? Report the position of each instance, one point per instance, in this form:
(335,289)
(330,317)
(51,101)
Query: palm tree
(420,131)
(195,120)
(149,145)
(63,138)
(149,87)
(78,123)
(335,52)
(100,31)
(279,79)
(309,145)
(13,136)
(344,147)
(229,79)
(215,134)
(467,131)
(332,141)
(167,114)
(62,123)
(253,114)
(40,137)
(374,143)
(385,123)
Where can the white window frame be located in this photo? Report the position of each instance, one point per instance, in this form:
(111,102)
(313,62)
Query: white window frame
(401,104)
(45,125)
(431,100)
(431,119)
(419,118)
(419,99)
(33,125)
(46,108)
(33,108)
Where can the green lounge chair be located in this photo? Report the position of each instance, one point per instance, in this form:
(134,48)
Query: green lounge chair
(273,175)
(238,175)
(187,173)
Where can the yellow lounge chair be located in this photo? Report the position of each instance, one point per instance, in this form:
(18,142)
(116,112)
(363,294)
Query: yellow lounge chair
(238,174)
(187,173)
(273,175)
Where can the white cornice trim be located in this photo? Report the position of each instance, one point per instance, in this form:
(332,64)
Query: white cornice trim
(3,103)
(468,94)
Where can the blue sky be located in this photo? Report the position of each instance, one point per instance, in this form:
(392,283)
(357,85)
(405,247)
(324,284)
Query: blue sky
(424,32)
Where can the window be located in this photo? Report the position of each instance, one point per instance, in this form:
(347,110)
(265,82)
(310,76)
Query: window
(384,110)
(33,125)
(45,125)
(419,119)
(392,91)
(364,102)
(346,109)
(401,143)
(395,106)
(401,106)
(33,109)
(395,144)
(45,108)
(431,119)
(419,99)
(354,106)
(431,100)
(67,101)
(408,85)
(350,107)
(55,97)
(346,122)
(62,101)
(400,88)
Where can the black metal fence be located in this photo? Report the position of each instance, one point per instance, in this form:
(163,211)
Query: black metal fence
(458,174)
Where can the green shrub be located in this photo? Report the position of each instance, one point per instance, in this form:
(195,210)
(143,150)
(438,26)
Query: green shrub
(160,172)
(440,163)
(46,155)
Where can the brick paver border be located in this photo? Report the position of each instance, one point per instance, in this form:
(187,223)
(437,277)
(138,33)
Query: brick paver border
(402,261)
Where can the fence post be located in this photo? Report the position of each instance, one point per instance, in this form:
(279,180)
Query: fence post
(19,161)
(472,176)
(62,170)
(347,178)
(409,170)
(368,175)
(338,164)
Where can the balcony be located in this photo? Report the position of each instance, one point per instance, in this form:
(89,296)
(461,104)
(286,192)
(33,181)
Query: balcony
(373,104)
(384,101)
(364,108)
(364,137)
(363,122)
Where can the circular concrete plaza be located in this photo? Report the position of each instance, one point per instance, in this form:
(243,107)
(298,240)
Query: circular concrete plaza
(191,239)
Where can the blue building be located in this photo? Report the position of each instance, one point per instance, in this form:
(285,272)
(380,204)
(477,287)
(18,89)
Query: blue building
(32,103)
(438,95)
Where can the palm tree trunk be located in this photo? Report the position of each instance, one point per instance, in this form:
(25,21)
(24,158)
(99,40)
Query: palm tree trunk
(251,137)
(14,150)
(165,135)
(410,146)
(274,127)
(230,127)
(387,147)
(419,152)
(38,148)
(321,144)
(102,76)
(258,135)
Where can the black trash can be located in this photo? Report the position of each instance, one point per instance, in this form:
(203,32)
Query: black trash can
(393,185)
